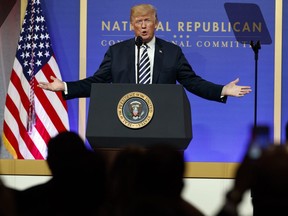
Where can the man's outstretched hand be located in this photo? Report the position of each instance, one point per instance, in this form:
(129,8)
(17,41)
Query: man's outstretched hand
(55,85)
(232,89)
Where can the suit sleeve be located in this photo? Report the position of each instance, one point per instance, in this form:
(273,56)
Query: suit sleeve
(196,84)
(82,88)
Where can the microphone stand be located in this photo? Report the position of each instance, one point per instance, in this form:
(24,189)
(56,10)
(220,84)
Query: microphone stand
(138,62)
(255,48)
(138,42)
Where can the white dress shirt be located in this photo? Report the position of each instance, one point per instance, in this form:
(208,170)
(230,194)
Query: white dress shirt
(151,51)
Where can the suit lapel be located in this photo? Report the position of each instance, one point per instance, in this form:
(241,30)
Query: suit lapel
(158,61)
(131,61)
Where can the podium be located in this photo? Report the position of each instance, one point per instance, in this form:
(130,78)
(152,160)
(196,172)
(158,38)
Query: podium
(122,115)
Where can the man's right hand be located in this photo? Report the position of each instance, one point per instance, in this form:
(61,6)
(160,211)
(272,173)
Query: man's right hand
(55,85)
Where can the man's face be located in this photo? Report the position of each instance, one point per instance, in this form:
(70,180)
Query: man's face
(144,26)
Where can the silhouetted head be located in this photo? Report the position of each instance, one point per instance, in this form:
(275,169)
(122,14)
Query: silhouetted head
(164,162)
(65,152)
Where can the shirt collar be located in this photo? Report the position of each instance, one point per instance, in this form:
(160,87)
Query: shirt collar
(152,42)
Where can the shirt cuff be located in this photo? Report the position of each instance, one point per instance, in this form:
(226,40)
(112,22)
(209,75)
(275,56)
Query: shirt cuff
(65,88)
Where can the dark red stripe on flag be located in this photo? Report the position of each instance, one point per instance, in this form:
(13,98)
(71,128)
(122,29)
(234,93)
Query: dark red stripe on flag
(42,129)
(22,129)
(13,142)
(47,71)
(19,86)
(53,115)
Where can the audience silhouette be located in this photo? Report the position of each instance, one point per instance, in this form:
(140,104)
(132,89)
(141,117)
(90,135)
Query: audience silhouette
(149,181)
(143,181)
(162,184)
(77,185)
(123,179)
(7,200)
(158,183)
(266,175)
(8,206)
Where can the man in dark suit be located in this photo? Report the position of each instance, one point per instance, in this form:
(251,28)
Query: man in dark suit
(167,62)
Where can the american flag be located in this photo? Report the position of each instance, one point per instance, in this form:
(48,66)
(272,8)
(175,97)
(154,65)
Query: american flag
(32,115)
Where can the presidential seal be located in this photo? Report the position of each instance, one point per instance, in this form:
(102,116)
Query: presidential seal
(135,110)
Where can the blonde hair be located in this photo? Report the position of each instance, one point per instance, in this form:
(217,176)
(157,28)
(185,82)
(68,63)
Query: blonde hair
(142,10)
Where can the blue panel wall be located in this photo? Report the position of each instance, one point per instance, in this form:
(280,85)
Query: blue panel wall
(221,131)
(63,20)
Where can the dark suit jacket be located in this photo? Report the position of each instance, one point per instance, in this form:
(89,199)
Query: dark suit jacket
(170,65)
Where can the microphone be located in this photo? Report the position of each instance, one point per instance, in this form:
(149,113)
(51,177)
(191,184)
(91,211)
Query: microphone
(138,42)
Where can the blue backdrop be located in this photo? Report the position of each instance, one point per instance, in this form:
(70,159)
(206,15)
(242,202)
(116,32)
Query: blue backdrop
(220,131)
